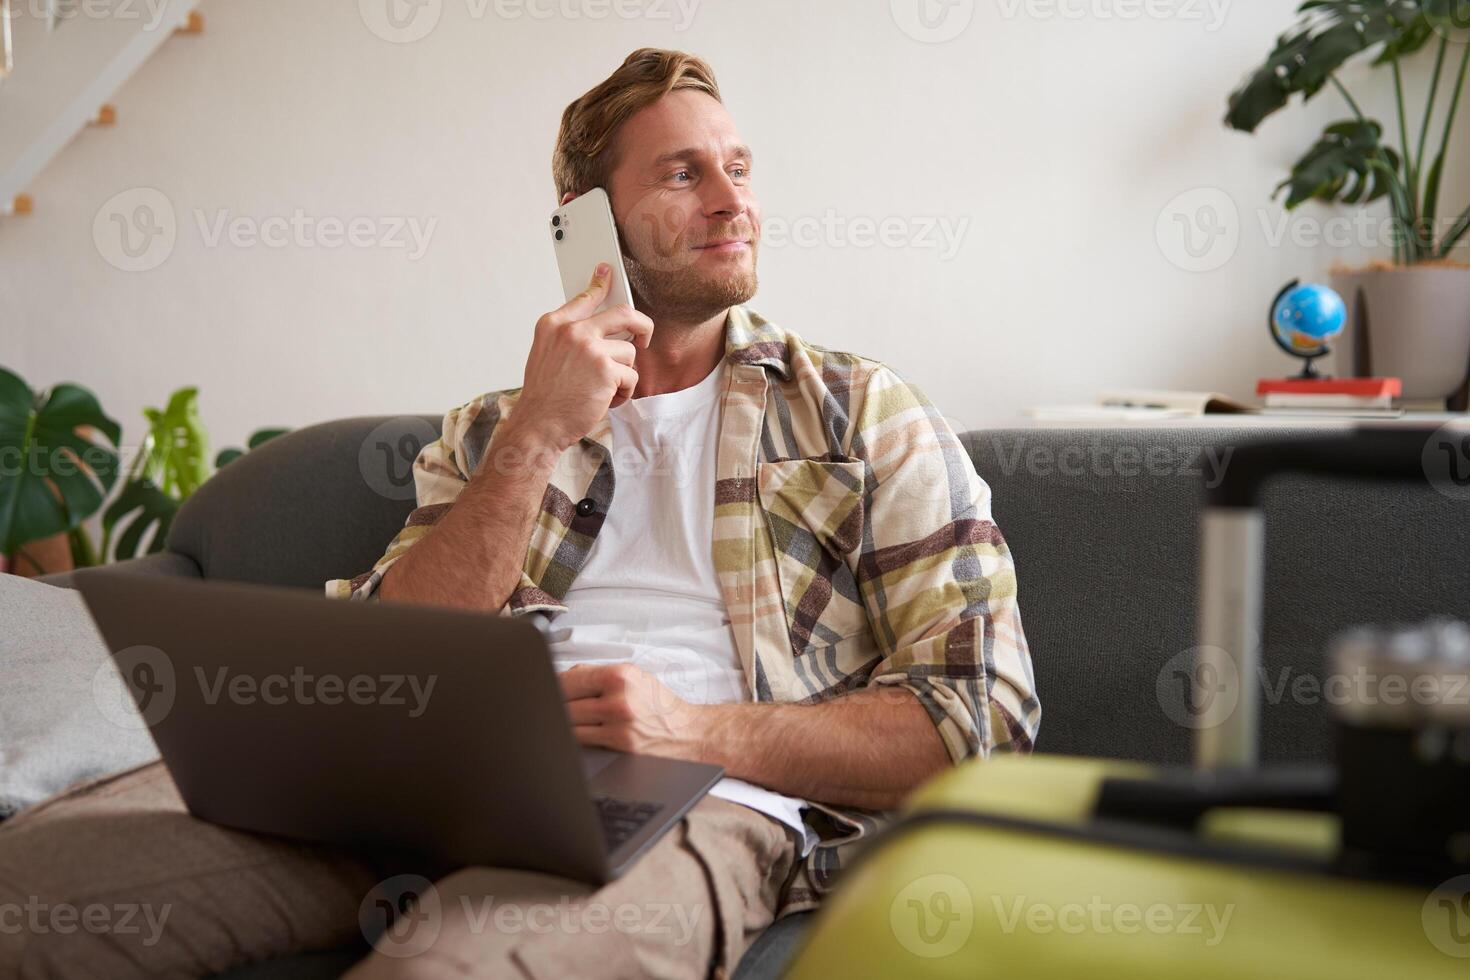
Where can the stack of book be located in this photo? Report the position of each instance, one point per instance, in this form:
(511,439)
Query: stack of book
(1330,396)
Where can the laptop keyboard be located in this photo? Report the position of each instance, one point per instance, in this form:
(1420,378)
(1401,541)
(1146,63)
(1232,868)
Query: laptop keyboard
(621,819)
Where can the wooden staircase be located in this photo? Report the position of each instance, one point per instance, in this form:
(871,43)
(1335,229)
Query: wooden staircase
(65,67)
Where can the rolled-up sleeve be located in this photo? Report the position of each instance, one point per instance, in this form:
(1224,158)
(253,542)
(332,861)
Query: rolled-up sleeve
(937,579)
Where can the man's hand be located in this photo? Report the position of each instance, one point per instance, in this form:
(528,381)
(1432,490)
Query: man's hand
(622,707)
(576,370)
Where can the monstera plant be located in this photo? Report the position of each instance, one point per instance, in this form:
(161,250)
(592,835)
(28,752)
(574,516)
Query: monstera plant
(1423,333)
(56,471)
(1351,162)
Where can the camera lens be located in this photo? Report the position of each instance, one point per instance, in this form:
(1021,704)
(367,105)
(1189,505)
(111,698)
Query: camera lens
(558,234)
(555,220)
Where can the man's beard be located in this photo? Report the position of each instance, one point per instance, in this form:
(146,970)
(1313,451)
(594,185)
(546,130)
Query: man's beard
(675,289)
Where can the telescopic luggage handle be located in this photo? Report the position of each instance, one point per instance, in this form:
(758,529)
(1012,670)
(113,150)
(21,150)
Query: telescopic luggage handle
(1232,549)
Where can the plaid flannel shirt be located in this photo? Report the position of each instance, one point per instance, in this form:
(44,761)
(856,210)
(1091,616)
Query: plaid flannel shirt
(852,539)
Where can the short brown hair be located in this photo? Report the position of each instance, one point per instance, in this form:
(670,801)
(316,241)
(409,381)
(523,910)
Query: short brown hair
(582,159)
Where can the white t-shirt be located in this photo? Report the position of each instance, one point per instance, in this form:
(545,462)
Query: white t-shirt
(648,594)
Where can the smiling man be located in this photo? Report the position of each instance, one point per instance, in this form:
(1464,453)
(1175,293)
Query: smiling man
(747,550)
(744,549)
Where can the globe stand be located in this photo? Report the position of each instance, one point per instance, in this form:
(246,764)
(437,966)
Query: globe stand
(1309,370)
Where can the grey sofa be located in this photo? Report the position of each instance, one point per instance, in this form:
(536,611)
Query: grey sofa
(1103,524)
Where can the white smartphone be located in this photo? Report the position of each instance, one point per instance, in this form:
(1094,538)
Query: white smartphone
(583,234)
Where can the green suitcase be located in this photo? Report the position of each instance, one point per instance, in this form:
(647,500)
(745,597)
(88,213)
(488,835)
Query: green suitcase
(1054,866)
(1000,870)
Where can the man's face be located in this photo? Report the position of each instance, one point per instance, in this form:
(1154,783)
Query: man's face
(680,190)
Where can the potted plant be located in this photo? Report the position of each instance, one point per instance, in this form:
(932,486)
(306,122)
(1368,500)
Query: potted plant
(1409,318)
(55,472)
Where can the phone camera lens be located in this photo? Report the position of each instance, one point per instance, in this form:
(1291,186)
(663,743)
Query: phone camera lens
(555,220)
(558,234)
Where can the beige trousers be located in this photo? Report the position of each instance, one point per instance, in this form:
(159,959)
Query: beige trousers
(114,879)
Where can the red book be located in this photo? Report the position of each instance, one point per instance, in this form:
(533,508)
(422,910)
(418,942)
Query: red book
(1356,387)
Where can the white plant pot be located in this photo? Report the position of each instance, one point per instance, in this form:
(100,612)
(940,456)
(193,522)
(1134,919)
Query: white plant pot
(1407,322)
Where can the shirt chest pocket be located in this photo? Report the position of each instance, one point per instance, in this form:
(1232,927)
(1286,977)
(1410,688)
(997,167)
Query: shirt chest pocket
(814,509)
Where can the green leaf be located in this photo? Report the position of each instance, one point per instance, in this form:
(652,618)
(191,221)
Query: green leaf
(257,439)
(142,505)
(1328,33)
(1412,36)
(175,451)
(1339,166)
(1461,226)
(1431,191)
(51,476)
(260,437)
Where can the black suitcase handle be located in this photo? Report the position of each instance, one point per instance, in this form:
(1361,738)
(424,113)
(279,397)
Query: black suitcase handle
(1231,557)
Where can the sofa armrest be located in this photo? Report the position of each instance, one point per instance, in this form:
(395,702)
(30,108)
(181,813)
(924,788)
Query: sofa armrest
(162,563)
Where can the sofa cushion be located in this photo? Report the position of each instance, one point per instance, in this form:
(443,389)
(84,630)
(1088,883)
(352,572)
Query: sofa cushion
(65,714)
(315,504)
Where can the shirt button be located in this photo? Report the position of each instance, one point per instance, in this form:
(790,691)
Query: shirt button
(586,506)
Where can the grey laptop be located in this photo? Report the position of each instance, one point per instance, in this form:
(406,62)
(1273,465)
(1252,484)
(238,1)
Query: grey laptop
(424,732)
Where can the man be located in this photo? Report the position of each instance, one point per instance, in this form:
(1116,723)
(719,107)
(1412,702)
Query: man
(745,550)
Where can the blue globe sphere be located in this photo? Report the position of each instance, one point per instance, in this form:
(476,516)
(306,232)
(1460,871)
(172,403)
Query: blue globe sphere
(1307,317)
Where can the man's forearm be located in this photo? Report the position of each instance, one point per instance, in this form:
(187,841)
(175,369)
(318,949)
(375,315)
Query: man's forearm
(472,557)
(867,749)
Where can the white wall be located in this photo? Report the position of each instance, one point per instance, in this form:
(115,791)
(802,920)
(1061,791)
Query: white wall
(1055,142)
